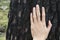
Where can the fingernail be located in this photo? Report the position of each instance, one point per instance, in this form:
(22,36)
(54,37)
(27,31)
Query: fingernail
(42,7)
(37,5)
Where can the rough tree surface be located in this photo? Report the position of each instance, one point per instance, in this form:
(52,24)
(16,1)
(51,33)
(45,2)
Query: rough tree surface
(19,18)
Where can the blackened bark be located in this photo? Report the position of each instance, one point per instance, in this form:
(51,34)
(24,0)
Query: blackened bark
(58,25)
(19,18)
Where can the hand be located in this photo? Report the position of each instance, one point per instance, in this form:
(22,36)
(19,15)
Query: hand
(38,26)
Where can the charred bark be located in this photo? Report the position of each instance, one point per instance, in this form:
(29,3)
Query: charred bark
(19,18)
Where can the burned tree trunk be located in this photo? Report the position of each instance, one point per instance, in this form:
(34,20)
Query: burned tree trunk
(19,22)
(19,19)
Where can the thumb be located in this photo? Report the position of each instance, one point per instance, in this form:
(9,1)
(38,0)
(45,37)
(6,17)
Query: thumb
(49,25)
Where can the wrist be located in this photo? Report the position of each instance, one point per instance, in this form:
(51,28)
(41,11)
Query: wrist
(39,38)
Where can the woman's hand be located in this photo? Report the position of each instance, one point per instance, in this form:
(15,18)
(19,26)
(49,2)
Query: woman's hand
(38,27)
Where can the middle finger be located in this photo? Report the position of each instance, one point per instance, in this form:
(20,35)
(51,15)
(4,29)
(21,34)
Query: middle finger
(38,12)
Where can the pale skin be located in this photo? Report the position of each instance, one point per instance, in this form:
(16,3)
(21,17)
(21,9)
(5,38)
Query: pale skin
(39,30)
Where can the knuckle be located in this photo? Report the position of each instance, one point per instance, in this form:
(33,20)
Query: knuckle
(43,15)
(34,16)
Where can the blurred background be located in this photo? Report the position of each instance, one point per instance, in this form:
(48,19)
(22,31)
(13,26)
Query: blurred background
(4,9)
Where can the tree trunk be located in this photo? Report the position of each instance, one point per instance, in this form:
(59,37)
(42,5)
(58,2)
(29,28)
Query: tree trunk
(19,19)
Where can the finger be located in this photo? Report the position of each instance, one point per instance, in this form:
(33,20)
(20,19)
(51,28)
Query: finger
(43,14)
(31,18)
(49,25)
(34,14)
(38,12)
